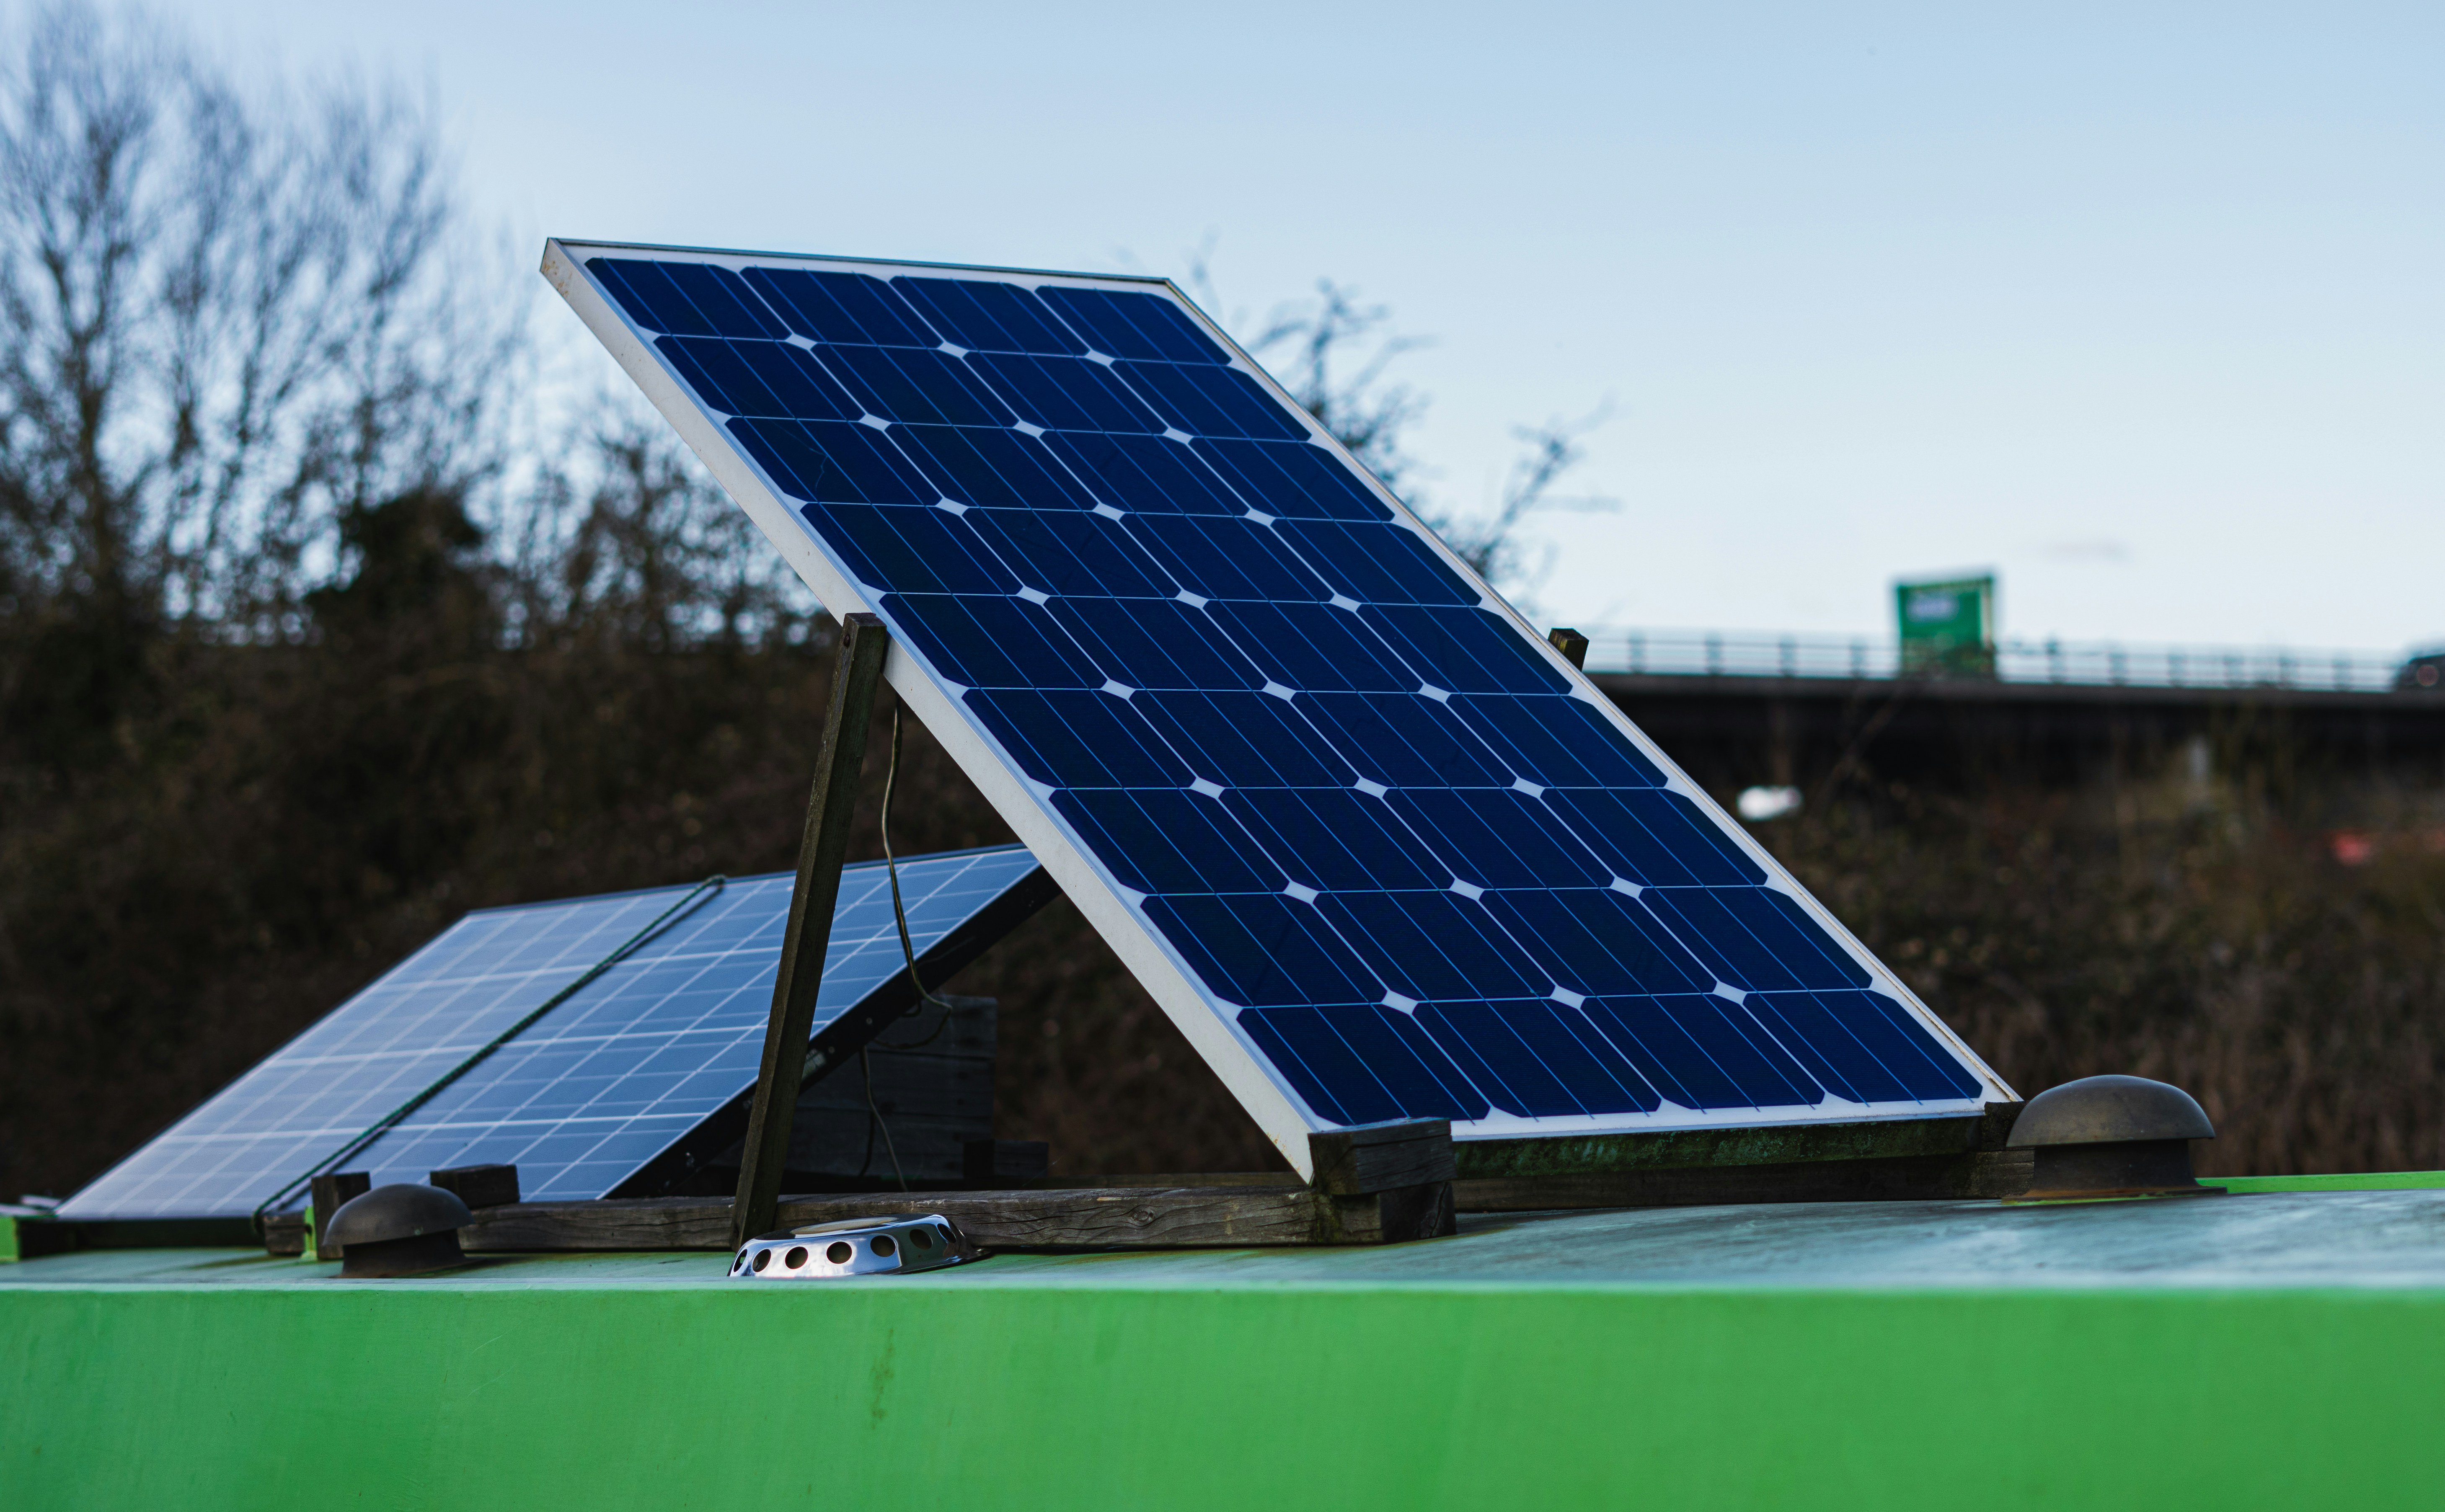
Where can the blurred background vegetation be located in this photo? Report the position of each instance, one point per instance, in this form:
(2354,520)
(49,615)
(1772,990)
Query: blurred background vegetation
(318,627)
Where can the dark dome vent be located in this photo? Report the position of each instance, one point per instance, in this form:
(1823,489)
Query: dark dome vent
(403,1229)
(2112,1136)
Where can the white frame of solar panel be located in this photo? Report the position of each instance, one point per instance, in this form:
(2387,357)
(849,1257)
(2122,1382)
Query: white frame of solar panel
(1207,1022)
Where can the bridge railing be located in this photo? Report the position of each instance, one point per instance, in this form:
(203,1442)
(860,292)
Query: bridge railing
(1763,654)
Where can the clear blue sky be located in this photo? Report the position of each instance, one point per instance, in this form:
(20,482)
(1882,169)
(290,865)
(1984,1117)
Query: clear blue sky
(2141,308)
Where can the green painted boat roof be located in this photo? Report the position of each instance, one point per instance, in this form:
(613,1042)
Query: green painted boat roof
(2388,1238)
(2274,1348)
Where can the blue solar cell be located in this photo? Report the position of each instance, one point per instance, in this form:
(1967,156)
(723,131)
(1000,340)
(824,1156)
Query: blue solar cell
(1486,1039)
(1424,870)
(1311,647)
(1375,564)
(988,316)
(647,292)
(1212,402)
(724,301)
(590,1094)
(1069,551)
(834,462)
(1338,1080)
(991,468)
(1696,1052)
(1593,941)
(758,378)
(993,643)
(1429,944)
(1464,651)
(1836,1054)
(1169,841)
(1219,557)
(1554,743)
(1402,740)
(1654,838)
(915,388)
(1324,838)
(922,550)
(1901,1044)
(1152,643)
(1144,472)
(1267,950)
(1238,739)
(1139,325)
(1291,481)
(1496,837)
(1748,941)
(841,308)
(1065,394)
(1081,739)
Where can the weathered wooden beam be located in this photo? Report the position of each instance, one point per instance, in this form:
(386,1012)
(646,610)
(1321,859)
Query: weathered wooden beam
(633,1223)
(1390,1217)
(1772,1145)
(1907,1161)
(1907,1178)
(1084,1219)
(856,672)
(284,1234)
(1091,1219)
(1378,1157)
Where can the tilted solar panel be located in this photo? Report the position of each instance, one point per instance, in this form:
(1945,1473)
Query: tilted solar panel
(1378,849)
(648,1068)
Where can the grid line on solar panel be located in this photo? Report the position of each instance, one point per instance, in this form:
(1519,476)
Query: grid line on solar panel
(1331,777)
(586,1095)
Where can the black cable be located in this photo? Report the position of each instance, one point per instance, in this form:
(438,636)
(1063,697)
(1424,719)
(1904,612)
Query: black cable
(875,1115)
(908,955)
(900,914)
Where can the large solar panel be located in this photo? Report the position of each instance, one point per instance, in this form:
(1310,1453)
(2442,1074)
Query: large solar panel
(647,1069)
(1378,848)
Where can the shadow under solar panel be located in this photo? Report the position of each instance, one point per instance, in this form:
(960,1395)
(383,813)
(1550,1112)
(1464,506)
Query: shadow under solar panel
(614,1091)
(1378,849)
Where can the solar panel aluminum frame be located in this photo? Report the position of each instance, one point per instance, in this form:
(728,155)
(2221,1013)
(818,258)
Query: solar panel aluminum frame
(1277,1107)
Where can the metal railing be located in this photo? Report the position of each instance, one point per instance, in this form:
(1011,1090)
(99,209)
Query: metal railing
(2103,663)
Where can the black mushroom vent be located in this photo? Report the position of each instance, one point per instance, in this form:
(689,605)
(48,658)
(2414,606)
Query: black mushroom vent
(403,1229)
(2112,1136)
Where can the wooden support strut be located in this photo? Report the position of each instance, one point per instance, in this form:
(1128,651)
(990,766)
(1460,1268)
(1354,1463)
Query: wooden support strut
(327,1194)
(839,760)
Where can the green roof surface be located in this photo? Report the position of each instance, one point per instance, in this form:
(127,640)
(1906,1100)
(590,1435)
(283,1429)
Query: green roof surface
(2392,1238)
(2270,1350)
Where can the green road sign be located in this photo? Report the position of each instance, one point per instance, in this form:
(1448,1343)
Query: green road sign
(1948,628)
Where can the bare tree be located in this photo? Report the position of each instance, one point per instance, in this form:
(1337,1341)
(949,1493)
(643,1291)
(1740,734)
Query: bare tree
(1341,352)
(226,323)
(1491,542)
(627,537)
